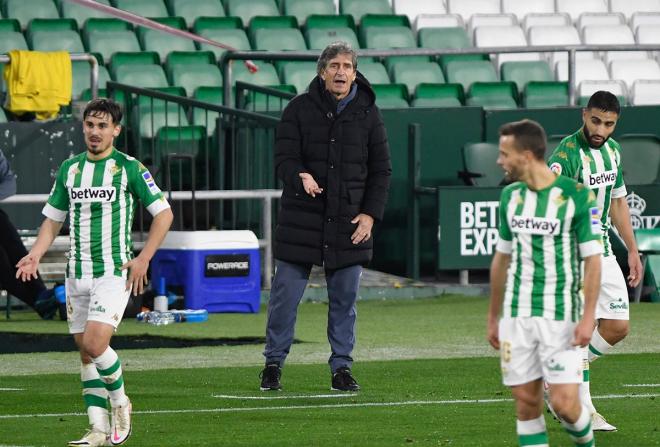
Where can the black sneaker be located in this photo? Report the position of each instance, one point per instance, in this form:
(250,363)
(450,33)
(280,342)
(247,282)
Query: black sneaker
(46,304)
(270,378)
(343,380)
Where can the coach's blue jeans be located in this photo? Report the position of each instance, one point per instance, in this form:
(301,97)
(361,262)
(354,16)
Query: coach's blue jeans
(286,292)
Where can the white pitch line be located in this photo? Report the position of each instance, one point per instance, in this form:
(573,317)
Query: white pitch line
(642,385)
(11,389)
(324,406)
(308,396)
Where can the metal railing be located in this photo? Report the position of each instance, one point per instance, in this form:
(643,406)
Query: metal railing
(572,50)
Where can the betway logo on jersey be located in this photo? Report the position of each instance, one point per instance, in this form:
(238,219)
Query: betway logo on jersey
(227,265)
(542,226)
(601,179)
(93,194)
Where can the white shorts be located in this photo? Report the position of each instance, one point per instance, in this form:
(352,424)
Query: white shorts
(100,299)
(613,298)
(533,347)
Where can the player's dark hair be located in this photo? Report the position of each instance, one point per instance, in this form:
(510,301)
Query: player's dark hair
(604,101)
(101,106)
(528,136)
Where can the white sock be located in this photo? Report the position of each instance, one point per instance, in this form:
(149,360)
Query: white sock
(95,396)
(598,346)
(532,432)
(109,368)
(580,431)
(584,388)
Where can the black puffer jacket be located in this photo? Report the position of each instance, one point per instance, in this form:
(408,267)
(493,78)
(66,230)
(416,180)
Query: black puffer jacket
(348,156)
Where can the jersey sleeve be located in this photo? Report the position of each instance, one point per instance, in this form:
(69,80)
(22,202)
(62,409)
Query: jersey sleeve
(587,224)
(504,241)
(142,184)
(57,206)
(619,189)
(560,161)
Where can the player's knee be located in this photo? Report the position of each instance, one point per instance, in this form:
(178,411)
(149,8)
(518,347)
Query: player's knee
(614,330)
(93,348)
(563,404)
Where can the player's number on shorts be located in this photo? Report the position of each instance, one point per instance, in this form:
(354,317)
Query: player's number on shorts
(505,349)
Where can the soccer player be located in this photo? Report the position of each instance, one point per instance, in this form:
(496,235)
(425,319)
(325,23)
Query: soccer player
(98,189)
(547,222)
(592,158)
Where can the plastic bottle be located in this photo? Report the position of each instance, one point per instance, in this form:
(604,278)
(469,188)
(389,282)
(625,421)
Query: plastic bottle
(160,300)
(156,318)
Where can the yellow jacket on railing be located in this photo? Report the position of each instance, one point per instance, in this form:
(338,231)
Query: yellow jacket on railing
(38,82)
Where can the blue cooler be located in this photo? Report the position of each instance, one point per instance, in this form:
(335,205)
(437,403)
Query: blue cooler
(219,271)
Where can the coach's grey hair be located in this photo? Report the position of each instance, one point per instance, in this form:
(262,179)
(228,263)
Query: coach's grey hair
(331,51)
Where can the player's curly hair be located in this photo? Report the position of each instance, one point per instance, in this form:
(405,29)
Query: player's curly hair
(101,106)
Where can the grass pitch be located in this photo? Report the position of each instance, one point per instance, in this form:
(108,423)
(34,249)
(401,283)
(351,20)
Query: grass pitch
(428,378)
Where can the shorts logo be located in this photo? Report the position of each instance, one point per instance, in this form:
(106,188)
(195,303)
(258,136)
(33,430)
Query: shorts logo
(556,168)
(601,179)
(98,308)
(595,220)
(618,306)
(93,194)
(151,184)
(535,225)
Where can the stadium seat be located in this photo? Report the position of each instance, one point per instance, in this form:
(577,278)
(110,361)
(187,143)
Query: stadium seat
(330,21)
(629,7)
(588,87)
(141,75)
(163,43)
(384,20)
(81,77)
(247,10)
(144,8)
(557,35)
(298,73)
(62,40)
(631,70)
(504,36)
(358,8)
(640,158)
(201,117)
(149,121)
(188,58)
(132,58)
(440,38)
(479,20)
(388,37)
(12,40)
(545,94)
(413,9)
(600,19)
(301,9)
(190,77)
(264,103)
(522,72)
(466,72)
(645,92)
(274,39)
(612,35)
(260,22)
(266,75)
(51,25)
(521,8)
(437,21)
(190,10)
(24,11)
(413,73)
(546,19)
(107,36)
(391,96)
(203,24)
(319,38)
(648,34)
(235,38)
(438,95)
(480,164)
(492,95)
(465,8)
(9,25)
(80,13)
(575,8)
(644,18)
(587,69)
(375,72)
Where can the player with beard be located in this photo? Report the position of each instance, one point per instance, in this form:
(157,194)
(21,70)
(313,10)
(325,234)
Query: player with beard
(593,158)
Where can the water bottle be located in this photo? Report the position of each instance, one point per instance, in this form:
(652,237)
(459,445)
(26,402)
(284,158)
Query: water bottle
(156,318)
(160,300)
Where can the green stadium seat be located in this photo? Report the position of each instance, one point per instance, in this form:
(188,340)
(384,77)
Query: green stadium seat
(640,155)
(132,58)
(271,39)
(445,59)
(163,43)
(10,25)
(265,75)
(375,72)
(440,38)
(384,20)
(202,117)
(3,116)
(190,10)
(61,40)
(80,13)
(480,164)
(259,22)
(648,244)
(141,75)
(248,9)
(51,25)
(319,38)
(298,73)
(545,94)
(81,77)
(190,77)
(235,38)
(144,8)
(149,115)
(358,8)
(522,72)
(493,95)
(438,95)
(330,21)
(10,40)
(263,103)
(301,9)
(106,43)
(413,73)
(188,58)
(388,37)
(391,96)
(466,72)
(25,11)
(94,25)
(203,24)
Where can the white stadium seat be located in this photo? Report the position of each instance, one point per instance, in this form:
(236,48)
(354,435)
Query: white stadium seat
(644,18)
(585,70)
(521,8)
(478,20)
(576,7)
(628,7)
(630,71)
(645,92)
(414,8)
(557,35)
(546,19)
(600,19)
(589,87)
(612,35)
(465,8)
(503,36)
(437,21)
(648,34)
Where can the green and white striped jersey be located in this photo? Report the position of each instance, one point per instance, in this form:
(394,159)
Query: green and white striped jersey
(99,197)
(544,232)
(598,169)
